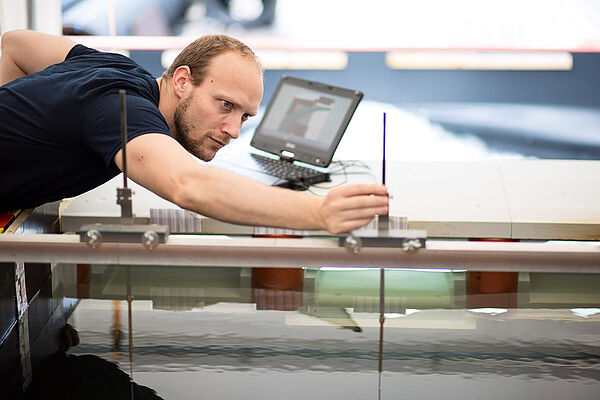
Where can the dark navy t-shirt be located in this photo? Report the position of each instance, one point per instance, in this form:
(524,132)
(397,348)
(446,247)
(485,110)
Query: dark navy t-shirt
(60,127)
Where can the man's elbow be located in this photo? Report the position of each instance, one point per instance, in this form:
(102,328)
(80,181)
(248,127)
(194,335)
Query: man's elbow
(199,194)
(181,199)
(182,195)
(7,38)
(10,39)
(9,69)
(191,187)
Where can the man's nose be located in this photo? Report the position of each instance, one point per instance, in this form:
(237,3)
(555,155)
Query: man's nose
(232,126)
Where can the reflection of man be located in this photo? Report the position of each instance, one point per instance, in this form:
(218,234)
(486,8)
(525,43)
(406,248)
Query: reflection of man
(86,376)
(59,132)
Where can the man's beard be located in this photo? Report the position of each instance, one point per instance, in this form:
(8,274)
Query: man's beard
(181,131)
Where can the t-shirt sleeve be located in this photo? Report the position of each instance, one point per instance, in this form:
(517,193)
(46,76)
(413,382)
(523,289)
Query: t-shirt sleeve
(102,128)
(79,50)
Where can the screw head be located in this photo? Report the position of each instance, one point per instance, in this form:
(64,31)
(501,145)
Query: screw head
(93,238)
(150,240)
(411,245)
(353,244)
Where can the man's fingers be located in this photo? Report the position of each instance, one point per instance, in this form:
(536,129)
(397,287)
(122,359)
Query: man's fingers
(361,213)
(364,201)
(361,189)
(351,225)
(350,207)
(354,219)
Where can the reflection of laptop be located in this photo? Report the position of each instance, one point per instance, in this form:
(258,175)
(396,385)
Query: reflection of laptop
(304,122)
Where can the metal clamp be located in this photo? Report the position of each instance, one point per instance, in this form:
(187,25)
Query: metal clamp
(409,241)
(150,236)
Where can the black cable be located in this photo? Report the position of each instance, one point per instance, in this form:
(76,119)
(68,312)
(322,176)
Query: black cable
(342,168)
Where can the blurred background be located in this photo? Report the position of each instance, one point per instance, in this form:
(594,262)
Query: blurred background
(487,78)
(459,80)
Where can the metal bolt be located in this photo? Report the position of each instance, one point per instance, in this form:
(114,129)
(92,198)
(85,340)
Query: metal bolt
(353,243)
(411,245)
(93,238)
(150,240)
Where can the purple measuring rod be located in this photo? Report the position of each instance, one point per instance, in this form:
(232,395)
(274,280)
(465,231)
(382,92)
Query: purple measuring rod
(383,166)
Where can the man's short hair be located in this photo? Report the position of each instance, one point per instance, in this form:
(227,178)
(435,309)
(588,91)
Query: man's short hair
(198,55)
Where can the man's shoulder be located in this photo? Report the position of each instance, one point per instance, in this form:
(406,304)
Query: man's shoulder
(88,62)
(80,52)
(93,74)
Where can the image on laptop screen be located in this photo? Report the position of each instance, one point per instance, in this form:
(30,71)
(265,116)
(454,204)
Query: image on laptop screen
(305,120)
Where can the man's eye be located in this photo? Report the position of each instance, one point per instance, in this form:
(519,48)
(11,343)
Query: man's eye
(226,104)
(245,117)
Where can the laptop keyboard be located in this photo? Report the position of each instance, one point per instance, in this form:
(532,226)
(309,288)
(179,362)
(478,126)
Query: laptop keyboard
(289,171)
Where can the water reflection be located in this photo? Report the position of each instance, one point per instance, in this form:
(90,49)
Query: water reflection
(231,332)
(70,376)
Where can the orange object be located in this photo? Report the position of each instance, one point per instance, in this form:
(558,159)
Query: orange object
(491,289)
(277,288)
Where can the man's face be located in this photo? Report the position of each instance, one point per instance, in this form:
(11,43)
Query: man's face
(208,116)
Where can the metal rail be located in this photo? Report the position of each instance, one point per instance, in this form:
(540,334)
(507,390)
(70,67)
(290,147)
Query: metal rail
(583,257)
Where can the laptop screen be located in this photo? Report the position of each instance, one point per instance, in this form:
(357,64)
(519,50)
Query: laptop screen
(305,120)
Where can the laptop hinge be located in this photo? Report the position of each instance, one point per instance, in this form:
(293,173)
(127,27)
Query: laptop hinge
(286,156)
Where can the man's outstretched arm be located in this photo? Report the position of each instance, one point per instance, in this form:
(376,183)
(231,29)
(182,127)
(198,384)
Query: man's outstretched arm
(26,52)
(160,164)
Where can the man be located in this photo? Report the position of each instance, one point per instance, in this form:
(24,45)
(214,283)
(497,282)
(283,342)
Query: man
(59,132)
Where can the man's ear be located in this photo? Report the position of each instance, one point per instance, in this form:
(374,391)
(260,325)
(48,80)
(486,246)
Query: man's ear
(182,78)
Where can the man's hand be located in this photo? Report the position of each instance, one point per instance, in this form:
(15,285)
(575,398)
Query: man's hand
(350,207)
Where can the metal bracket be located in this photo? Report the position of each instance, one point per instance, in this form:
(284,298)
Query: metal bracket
(408,240)
(150,236)
(124,200)
(385,231)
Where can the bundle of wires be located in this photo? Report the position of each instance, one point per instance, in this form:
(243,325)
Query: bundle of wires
(344,168)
